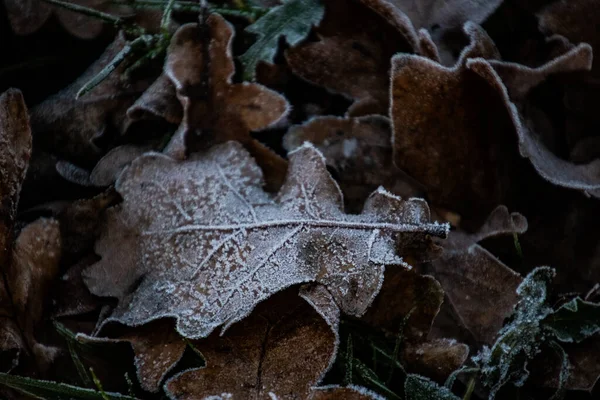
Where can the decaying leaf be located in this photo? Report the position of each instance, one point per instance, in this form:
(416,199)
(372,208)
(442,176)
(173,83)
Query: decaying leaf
(357,38)
(293,20)
(450,129)
(360,152)
(215,110)
(480,289)
(228,245)
(157,348)
(15,151)
(282,350)
(350,392)
(406,306)
(34,267)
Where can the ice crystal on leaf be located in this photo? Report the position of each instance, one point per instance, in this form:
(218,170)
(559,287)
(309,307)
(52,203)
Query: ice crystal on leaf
(200,240)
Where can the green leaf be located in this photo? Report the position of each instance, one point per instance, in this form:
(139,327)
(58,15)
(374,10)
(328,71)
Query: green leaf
(292,20)
(56,391)
(574,321)
(418,387)
(520,340)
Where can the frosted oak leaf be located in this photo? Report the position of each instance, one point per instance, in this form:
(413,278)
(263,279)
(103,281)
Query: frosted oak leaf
(200,241)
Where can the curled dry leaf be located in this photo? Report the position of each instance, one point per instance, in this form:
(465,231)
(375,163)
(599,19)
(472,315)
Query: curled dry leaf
(200,240)
(360,152)
(513,82)
(200,65)
(481,290)
(34,267)
(357,38)
(282,350)
(15,151)
(450,130)
(159,101)
(70,127)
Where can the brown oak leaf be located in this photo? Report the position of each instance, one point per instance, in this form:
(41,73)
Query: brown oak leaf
(451,131)
(282,350)
(199,63)
(357,38)
(200,240)
(480,289)
(15,151)
(410,302)
(513,83)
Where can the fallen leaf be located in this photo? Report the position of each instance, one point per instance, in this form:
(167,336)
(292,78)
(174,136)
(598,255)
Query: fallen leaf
(34,267)
(210,210)
(215,110)
(450,130)
(15,151)
(352,57)
(513,82)
(480,289)
(157,348)
(278,351)
(293,20)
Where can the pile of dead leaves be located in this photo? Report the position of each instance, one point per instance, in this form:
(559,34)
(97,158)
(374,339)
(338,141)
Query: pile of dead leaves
(299,199)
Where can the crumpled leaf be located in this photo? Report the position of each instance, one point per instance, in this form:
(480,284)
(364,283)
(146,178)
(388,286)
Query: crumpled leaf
(71,128)
(520,340)
(107,170)
(357,38)
(200,66)
(282,349)
(480,289)
(574,321)
(420,388)
(293,20)
(228,245)
(359,151)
